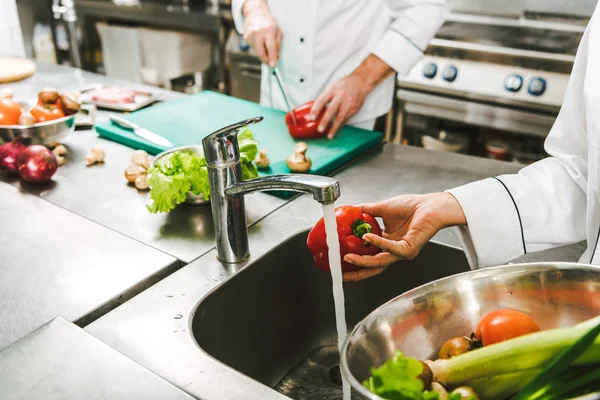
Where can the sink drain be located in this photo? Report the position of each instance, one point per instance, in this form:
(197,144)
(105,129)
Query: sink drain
(335,375)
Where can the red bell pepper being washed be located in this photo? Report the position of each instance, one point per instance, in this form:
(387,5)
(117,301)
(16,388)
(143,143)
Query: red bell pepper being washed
(352,224)
(305,129)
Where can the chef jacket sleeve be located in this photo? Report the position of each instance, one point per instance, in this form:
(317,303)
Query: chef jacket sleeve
(413,25)
(238,18)
(542,206)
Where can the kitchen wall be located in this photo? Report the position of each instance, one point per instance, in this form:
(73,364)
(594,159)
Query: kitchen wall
(517,7)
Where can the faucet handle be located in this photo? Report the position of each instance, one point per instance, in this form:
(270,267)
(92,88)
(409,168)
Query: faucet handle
(221,147)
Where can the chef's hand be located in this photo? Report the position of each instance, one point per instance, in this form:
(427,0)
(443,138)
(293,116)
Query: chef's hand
(342,100)
(410,222)
(345,97)
(261,31)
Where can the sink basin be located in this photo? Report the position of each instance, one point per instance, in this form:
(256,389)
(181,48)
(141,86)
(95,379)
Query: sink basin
(274,320)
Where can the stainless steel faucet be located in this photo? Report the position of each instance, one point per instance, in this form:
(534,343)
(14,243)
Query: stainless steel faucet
(227,189)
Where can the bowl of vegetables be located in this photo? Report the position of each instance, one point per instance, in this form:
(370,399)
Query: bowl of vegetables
(523,332)
(46,120)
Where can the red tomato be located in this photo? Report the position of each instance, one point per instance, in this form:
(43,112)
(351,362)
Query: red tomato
(10,112)
(47,112)
(498,326)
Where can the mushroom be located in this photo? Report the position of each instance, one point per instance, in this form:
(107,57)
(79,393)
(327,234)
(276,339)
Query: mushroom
(141,183)
(26,119)
(6,93)
(440,390)
(70,103)
(96,156)
(298,162)
(141,158)
(466,393)
(261,160)
(48,96)
(133,171)
(60,151)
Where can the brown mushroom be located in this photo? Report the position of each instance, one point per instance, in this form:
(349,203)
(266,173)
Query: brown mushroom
(70,103)
(96,156)
(59,152)
(141,183)
(299,162)
(48,96)
(140,157)
(261,160)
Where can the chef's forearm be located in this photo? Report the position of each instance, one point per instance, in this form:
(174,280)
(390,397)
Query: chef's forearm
(372,72)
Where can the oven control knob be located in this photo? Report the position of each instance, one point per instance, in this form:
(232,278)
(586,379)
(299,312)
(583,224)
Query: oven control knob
(537,86)
(430,70)
(513,82)
(450,73)
(244,46)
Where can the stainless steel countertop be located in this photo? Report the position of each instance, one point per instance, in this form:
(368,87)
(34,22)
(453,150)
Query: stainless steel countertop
(53,262)
(60,361)
(145,328)
(100,193)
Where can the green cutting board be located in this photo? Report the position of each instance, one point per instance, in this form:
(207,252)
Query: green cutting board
(188,120)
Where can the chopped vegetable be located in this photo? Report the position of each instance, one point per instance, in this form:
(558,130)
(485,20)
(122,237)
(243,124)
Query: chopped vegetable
(398,379)
(179,172)
(501,325)
(299,162)
(96,156)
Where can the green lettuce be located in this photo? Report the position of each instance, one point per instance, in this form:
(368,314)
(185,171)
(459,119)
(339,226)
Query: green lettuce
(183,171)
(397,379)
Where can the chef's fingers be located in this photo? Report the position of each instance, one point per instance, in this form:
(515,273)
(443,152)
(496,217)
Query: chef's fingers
(320,102)
(257,41)
(400,248)
(331,110)
(340,118)
(362,274)
(272,47)
(375,209)
(379,260)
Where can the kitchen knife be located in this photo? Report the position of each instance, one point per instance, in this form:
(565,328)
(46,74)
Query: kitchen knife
(141,132)
(285,97)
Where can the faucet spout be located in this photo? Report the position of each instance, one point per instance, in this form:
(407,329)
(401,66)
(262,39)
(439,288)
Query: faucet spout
(323,189)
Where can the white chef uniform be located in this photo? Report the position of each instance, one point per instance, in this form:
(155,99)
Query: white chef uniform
(555,201)
(325,40)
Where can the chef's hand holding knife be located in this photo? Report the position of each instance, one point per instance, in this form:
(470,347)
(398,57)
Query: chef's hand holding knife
(261,31)
(410,222)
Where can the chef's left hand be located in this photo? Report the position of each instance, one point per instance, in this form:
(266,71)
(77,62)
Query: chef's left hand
(342,100)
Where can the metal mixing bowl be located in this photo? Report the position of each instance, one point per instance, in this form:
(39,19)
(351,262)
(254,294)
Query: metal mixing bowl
(418,322)
(46,133)
(191,198)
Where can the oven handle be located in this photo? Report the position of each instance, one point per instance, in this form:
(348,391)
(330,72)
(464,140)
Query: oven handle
(479,114)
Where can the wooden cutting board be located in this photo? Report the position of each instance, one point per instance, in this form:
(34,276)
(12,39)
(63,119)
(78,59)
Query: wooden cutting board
(15,69)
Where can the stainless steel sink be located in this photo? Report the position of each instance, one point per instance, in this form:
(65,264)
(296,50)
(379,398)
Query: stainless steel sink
(274,321)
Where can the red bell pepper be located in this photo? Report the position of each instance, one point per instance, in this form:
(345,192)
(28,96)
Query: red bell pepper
(305,129)
(352,224)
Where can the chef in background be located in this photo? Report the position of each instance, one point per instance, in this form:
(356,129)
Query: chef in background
(11,38)
(551,203)
(343,53)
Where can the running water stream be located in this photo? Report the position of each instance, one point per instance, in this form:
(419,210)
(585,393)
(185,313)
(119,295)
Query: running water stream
(335,263)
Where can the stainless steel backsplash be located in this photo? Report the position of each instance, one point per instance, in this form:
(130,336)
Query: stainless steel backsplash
(519,7)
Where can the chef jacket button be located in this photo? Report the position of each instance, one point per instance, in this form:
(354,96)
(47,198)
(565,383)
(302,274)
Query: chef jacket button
(301,40)
(301,80)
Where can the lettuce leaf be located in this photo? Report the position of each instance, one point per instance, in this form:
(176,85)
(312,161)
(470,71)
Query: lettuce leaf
(397,379)
(179,172)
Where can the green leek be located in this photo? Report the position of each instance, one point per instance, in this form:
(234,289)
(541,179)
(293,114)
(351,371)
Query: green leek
(533,351)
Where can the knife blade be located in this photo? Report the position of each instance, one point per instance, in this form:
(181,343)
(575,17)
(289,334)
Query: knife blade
(285,97)
(141,132)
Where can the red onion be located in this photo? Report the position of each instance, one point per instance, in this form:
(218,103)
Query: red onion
(8,155)
(37,164)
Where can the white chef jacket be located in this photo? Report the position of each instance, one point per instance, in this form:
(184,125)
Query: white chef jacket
(11,38)
(555,201)
(325,40)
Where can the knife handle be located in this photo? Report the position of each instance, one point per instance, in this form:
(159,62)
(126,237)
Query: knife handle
(124,123)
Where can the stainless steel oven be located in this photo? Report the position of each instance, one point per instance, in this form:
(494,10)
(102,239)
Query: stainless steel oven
(244,69)
(491,84)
